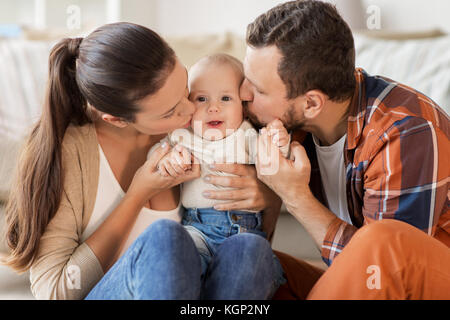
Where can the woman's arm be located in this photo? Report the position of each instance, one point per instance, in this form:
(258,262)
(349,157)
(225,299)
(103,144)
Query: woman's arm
(107,241)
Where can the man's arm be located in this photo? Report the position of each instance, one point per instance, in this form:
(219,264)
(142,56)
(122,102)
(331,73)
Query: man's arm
(313,215)
(289,178)
(404,180)
(291,183)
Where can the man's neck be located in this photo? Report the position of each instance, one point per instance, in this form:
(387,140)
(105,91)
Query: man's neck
(331,124)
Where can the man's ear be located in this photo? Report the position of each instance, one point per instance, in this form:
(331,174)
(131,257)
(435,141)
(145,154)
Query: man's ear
(315,101)
(115,121)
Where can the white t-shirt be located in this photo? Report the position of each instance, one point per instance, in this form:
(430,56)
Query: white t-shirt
(332,173)
(109,195)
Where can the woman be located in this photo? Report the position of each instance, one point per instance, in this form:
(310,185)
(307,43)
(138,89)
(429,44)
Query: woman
(111,96)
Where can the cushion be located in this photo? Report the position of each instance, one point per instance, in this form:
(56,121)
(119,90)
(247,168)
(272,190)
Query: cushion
(423,64)
(190,49)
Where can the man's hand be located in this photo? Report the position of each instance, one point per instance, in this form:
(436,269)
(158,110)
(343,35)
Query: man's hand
(248,192)
(289,179)
(286,177)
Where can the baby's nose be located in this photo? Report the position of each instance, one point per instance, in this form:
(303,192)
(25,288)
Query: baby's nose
(213,108)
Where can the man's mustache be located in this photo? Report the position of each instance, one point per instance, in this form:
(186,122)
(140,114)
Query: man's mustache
(251,117)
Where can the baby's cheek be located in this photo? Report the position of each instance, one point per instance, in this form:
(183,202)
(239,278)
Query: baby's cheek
(235,116)
(197,122)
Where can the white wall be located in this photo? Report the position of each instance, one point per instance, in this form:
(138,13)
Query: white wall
(413,14)
(19,11)
(185,17)
(180,17)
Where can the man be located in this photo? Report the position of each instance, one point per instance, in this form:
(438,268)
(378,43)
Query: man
(373,150)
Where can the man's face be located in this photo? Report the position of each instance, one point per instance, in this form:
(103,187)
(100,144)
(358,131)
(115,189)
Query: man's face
(263,91)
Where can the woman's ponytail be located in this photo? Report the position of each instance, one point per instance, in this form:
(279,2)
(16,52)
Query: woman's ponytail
(113,68)
(36,191)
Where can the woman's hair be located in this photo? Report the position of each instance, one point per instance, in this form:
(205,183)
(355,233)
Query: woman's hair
(316,44)
(110,70)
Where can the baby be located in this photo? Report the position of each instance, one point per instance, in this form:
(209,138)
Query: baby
(218,134)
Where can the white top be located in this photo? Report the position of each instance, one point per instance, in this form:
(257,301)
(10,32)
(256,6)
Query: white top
(109,195)
(332,173)
(238,147)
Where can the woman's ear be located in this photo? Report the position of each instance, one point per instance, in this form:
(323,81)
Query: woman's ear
(115,121)
(315,101)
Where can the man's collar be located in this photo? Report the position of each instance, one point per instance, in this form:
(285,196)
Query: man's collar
(356,111)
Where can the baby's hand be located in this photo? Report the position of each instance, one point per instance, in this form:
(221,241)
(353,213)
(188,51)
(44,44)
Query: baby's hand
(278,132)
(175,163)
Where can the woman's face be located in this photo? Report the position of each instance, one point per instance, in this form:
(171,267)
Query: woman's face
(169,108)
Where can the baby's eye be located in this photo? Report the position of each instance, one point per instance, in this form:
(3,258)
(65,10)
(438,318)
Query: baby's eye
(201,99)
(226,98)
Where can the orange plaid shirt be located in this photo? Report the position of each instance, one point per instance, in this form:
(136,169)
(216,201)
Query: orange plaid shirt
(397,159)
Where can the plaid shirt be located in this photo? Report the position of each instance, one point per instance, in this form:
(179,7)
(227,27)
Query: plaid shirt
(397,160)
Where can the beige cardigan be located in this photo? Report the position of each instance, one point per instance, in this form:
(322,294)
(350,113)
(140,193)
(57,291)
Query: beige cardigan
(64,268)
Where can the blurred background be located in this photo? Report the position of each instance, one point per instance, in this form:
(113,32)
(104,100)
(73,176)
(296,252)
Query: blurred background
(406,40)
(187,17)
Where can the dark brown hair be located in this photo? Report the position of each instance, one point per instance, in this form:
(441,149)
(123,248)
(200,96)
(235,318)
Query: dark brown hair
(316,44)
(110,70)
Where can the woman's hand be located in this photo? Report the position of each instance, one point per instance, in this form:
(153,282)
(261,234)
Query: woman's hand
(148,181)
(175,163)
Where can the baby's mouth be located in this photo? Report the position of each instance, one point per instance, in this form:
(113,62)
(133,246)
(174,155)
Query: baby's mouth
(214,124)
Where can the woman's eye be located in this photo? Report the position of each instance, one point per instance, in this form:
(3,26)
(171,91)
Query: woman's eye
(226,98)
(201,99)
(169,115)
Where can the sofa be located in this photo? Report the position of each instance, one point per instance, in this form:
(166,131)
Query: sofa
(421,61)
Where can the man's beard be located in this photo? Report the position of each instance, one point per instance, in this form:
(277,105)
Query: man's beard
(252,117)
(289,119)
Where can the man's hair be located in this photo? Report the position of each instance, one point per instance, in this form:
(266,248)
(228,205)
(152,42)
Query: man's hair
(316,45)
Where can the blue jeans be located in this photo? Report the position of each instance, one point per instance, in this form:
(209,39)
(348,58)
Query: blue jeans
(209,228)
(163,263)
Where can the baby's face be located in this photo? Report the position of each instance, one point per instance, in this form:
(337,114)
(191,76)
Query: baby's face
(214,90)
